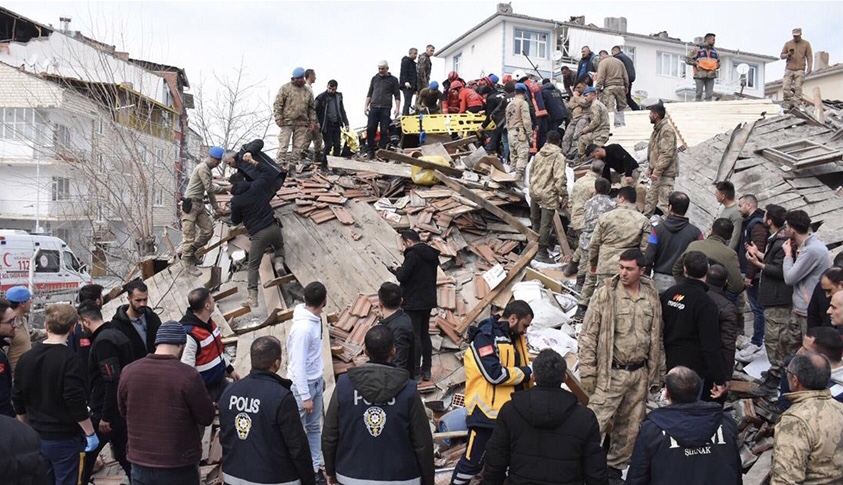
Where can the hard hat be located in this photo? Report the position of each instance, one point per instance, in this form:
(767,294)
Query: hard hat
(298,72)
(433,85)
(506,78)
(452,76)
(457,85)
(493,78)
(521,87)
(519,74)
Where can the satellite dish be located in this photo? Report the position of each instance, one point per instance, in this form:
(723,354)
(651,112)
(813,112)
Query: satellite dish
(742,68)
(557,56)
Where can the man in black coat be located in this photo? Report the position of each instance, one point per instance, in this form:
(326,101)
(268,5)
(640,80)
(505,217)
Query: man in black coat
(254,148)
(691,329)
(20,454)
(555,104)
(330,112)
(394,317)
(543,435)
(136,320)
(616,158)
(689,442)
(417,277)
(728,316)
(630,72)
(407,79)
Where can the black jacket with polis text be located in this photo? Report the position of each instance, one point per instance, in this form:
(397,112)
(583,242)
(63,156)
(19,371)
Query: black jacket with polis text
(417,277)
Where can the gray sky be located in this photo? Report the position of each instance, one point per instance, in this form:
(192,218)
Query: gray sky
(345,40)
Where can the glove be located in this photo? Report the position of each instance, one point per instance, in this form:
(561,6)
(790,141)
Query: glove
(92,443)
(588,385)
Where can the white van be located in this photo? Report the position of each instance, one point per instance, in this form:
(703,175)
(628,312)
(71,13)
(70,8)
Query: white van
(44,264)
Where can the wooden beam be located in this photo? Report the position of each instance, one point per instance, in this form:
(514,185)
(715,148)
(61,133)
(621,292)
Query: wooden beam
(272,297)
(574,385)
(527,256)
(547,281)
(500,213)
(281,280)
(560,234)
(460,143)
(239,312)
(280,316)
(400,157)
(225,293)
(233,233)
(380,168)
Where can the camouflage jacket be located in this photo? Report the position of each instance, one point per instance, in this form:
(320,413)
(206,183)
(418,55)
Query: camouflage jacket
(294,105)
(548,181)
(202,182)
(518,115)
(594,208)
(583,190)
(423,71)
(661,153)
(578,105)
(597,337)
(615,232)
(599,116)
(808,446)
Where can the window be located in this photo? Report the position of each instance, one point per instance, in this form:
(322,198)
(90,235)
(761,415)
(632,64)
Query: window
(158,197)
(457,62)
(47,262)
(160,155)
(100,126)
(100,163)
(70,262)
(751,75)
(61,188)
(671,65)
(17,124)
(629,51)
(62,137)
(531,43)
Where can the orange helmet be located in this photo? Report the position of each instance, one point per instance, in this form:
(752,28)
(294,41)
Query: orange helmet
(453,76)
(457,85)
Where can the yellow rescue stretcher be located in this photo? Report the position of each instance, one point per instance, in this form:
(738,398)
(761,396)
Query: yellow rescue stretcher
(442,123)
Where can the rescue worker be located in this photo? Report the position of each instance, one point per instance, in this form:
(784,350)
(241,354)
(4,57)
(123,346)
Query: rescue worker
(615,232)
(808,446)
(496,365)
(262,437)
(496,101)
(538,109)
(315,133)
(423,66)
(204,349)
(428,99)
(595,207)
(548,192)
(799,55)
(612,81)
(706,62)
(295,113)
(597,130)
(470,101)
(235,160)
(197,227)
(664,161)
(408,78)
(520,130)
(450,95)
(376,429)
(618,159)
(620,356)
(20,299)
(582,192)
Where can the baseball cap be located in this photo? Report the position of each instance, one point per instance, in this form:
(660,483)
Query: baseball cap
(797,31)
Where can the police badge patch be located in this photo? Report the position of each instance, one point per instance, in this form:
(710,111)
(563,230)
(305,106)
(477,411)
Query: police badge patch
(375,419)
(243,424)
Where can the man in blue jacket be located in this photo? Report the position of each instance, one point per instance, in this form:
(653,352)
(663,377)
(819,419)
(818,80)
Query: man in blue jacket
(689,442)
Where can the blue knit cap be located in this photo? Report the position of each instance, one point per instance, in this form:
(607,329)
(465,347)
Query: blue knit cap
(216,152)
(433,85)
(18,294)
(298,72)
(172,333)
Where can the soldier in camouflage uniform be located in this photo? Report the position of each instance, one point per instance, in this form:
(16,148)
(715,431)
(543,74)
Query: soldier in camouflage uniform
(615,232)
(663,159)
(194,217)
(598,205)
(520,130)
(295,114)
(808,446)
(548,191)
(423,67)
(612,81)
(597,131)
(620,353)
(583,190)
(314,136)
(578,107)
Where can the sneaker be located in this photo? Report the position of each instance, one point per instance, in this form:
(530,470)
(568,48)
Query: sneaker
(320,477)
(748,354)
(425,375)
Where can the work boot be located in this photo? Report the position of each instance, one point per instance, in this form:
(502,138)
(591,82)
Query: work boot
(252,300)
(543,257)
(278,264)
(189,267)
(571,269)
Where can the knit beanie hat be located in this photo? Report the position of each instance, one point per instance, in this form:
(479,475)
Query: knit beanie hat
(172,333)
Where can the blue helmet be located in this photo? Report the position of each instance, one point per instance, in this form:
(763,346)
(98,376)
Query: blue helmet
(433,85)
(216,152)
(590,89)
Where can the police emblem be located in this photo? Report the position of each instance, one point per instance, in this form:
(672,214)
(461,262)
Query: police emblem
(243,424)
(375,419)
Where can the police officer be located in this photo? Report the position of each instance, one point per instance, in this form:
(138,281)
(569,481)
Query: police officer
(262,437)
(496,365)
(376,429)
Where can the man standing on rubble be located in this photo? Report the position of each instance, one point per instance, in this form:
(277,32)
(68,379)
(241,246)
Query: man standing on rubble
(519,127)
(808,446)
(578,107)
(197,227)
(251,206)
(376,429)
(383,88)
(136,320)
(597,130)
(397,320)
(417,277)
(753,232)
(582,192)
(330,111)
(204,349)
(548,192)
(629,64)
(305,367)
(595,207)
(663,158)
(689,441)
(497,364)
(314,134)
(408,79)
(670,238)
(295,114)
(260,431)
(726,196)
(620,356)
(799,55)
(706,62)
(612,81)
(423,67)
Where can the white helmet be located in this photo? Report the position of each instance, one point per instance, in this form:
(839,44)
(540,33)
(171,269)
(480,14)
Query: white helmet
(519,74)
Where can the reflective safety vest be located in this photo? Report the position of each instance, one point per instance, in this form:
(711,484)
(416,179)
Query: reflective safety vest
(209,356)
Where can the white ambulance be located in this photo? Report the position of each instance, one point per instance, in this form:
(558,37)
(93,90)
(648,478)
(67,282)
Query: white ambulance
(44,264)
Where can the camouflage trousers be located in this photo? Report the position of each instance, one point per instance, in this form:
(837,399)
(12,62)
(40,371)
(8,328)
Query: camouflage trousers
(792,79)
(318,142)
(197,229)
(622,405)
(790,338)
(300,136)
(614,97)
(657,195)
(519,151)
(775,322)
(573,132)
(592,281)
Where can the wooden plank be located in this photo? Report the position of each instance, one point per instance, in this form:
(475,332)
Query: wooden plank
(527,256)
(547,281)
(225,293)
(232,233)
(380,168)
(238,312)
(281,280)
(280,317)
(497,211)
(400,157)
(271,295)
(560,234)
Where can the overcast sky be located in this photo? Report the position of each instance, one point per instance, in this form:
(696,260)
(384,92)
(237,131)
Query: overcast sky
(345,40)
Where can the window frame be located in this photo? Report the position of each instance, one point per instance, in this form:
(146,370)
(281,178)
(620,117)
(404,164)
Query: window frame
(54,261)
(518,36)
(60,189)
(680,66)
(456,62)
(751,76)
